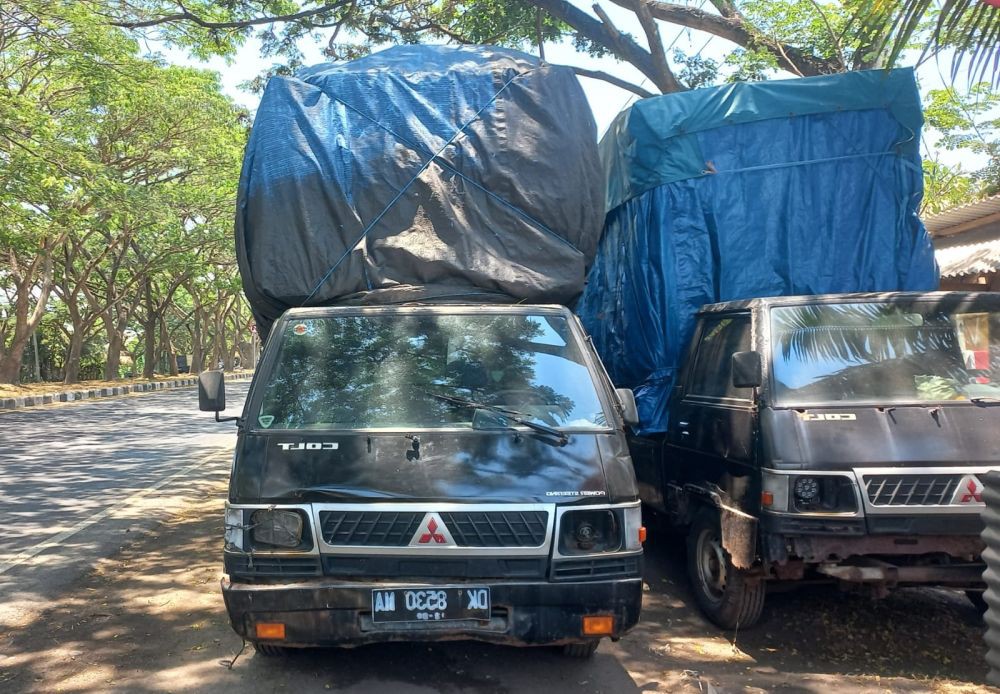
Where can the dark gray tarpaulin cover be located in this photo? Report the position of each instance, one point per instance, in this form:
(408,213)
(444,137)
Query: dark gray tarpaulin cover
(804,186)
(420,171)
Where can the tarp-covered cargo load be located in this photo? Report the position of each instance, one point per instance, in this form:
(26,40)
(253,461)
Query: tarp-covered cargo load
(420,171)
(804,186)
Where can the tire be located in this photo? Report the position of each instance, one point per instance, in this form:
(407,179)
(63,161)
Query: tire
(978,600)
(270,650)
(724,593)
(581,651)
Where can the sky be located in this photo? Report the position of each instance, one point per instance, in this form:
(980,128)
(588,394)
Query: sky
(606,100)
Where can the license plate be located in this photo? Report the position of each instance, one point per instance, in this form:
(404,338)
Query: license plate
(430,604)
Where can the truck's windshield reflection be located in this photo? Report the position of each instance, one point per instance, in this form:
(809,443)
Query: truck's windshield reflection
(371,371)
(916,352)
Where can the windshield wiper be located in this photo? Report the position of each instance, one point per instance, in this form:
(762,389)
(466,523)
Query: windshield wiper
(985,400)
(513,415)
(342,492)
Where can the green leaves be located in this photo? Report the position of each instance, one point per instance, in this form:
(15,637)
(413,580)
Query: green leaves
(119,170)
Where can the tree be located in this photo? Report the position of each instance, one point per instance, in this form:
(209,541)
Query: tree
(51,67)
(946,187)
(117,182)
(969,123)
(804,38)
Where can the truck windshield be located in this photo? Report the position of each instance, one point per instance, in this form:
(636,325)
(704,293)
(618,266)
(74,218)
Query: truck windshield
(894,352)
(379,371)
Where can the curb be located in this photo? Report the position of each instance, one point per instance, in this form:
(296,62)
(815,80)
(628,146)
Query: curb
(93,393)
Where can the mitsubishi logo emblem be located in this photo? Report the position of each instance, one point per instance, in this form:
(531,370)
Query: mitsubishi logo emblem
(968,491)
(432,532)
(972,495)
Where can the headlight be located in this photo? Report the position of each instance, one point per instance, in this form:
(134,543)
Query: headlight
(589,532)
(276,528)
(806,489)
(808,493)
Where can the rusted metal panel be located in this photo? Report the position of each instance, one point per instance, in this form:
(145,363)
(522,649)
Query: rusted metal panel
(991,536)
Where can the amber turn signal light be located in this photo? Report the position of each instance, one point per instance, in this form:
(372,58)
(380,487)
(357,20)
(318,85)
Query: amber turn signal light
(642,534)
(766,499)
(270,630)
(598,625)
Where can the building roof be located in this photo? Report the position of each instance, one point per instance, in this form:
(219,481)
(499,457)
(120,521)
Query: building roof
(944,223)
(970,259)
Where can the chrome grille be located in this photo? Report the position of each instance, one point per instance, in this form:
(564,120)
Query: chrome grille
(497,528)
(369,528)
(911,490)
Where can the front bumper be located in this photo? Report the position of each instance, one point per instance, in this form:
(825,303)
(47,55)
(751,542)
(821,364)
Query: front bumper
(323,612)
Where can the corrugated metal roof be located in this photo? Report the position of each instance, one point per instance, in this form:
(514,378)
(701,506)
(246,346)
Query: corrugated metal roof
(973,259)
(960,215)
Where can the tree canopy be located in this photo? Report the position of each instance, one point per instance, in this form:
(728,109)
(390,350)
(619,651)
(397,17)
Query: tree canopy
(118,171)
(117,184)
(802,37)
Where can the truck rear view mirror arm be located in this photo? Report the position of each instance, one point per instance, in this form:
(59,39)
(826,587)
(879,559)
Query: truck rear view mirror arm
(212,394)
(747,371)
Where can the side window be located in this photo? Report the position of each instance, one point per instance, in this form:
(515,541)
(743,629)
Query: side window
(712,374)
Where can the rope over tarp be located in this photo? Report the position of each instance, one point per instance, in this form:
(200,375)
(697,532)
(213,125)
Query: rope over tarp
(807,186)
(464,169)
(415,176)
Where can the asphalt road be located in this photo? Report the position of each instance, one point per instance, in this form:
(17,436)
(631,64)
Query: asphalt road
(77,479)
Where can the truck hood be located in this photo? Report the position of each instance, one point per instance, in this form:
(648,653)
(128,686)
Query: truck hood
(843,438)
(439,466)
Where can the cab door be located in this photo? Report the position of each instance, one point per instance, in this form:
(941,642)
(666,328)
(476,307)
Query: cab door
(712,422)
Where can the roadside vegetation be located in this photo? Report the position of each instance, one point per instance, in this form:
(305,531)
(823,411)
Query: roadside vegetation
(118,171)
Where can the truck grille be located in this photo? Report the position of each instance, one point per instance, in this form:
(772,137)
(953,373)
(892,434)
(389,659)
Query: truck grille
(583,569)
(497,528)
(369,528)
(257,565)
(911,490)
(468,528)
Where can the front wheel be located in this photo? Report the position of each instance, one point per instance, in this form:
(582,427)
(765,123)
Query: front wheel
(728,597)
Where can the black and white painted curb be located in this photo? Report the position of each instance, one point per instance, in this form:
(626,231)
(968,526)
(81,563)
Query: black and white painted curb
(91,393)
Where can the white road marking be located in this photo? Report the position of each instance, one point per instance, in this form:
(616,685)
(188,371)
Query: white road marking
(31,552)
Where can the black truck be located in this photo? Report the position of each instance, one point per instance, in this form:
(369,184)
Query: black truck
(837,437)
(431,472)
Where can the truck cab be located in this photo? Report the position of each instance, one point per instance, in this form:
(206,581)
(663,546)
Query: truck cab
(431,472)
(839,437)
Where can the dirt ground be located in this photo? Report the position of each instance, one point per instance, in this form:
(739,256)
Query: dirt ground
(151,619)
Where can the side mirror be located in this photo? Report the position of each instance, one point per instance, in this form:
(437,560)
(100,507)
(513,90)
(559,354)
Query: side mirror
(211,391)
(747,370)
(630,413)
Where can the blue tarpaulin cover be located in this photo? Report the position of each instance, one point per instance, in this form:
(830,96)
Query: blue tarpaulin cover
(804,186)
(419,172)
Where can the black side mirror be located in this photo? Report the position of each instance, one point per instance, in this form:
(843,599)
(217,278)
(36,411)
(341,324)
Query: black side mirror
(630,412)
(747,370)
(211,391)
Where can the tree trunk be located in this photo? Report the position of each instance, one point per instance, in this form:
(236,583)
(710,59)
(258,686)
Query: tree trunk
(10,363)
(26,319)
(73,355)
(167,347)
(196,346)
(113,364)
(149,335)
